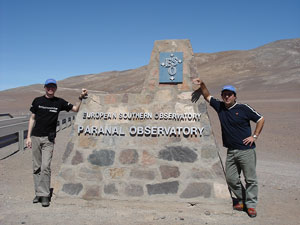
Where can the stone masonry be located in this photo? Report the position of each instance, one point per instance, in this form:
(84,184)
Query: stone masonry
(115,158)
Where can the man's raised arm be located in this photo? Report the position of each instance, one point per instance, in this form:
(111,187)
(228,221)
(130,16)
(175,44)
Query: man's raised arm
(83,95)
(203,87)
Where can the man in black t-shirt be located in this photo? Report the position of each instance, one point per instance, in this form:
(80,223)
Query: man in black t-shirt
(41,136)
(240,143)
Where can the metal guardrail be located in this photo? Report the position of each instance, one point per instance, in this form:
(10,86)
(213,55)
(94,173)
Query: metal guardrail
(6,115)
(18,132)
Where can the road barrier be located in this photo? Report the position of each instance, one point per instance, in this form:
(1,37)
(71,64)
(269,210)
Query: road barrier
(18,132)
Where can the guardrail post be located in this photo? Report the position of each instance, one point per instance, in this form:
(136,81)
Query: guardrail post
(21,140)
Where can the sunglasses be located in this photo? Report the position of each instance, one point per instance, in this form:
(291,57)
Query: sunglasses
(50,86)
(229,94)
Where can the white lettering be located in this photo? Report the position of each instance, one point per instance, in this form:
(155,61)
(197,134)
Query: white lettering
(132,130)
(80,129)
(147,130)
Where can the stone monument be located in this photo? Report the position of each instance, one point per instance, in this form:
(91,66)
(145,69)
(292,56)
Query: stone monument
(156,145)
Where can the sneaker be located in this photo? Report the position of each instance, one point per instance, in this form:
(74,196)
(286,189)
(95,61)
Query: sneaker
(251,212)
(239,207)
(36,199)
(45,201)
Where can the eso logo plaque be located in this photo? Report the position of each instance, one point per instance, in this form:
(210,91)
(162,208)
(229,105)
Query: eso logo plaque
(170,70)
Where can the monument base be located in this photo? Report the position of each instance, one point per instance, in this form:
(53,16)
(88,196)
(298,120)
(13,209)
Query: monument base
(154,146)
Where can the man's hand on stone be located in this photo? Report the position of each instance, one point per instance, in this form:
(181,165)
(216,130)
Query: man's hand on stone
(197,81)
(83,94)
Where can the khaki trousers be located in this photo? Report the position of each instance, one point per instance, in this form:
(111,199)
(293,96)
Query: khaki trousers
(42,151)
(237,161)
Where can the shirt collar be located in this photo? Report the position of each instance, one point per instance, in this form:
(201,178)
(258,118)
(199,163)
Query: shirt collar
(232,106)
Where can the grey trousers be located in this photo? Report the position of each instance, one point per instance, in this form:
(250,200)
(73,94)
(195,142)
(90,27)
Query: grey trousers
(42,151)
(237,161)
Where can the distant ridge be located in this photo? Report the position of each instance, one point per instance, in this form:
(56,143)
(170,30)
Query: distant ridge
(266,69)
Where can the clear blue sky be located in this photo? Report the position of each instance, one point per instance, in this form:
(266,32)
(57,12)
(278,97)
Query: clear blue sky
(40,39)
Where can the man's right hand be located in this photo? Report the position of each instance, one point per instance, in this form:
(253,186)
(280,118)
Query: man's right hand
(203,89)
(28,143)
(197,81)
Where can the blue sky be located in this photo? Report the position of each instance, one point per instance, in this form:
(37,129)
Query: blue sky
(40,39)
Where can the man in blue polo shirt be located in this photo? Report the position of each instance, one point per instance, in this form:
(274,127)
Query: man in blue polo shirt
(238,139)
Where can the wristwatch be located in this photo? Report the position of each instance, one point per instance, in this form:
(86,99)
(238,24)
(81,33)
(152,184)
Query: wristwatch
(255,136)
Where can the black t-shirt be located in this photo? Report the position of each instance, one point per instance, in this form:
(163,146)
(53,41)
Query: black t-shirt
(235,123)
(46,112)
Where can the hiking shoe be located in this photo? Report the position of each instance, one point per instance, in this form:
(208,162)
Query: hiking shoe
(45,201)
(36,199)
(251,212)
(239,207)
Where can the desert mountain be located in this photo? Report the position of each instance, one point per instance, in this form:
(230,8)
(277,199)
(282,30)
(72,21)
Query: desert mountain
(268,70)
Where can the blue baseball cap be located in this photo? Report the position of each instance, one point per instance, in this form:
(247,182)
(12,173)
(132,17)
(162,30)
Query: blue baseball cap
(50,81)
(228,88)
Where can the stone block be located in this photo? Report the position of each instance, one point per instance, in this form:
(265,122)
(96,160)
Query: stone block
(163,96)
(134,190)
(86,141)
(68,151)
(110,189)
(125,98)
(207,131)
(89,174)
(72,188)
(209,152)
(110,99)
(144,99)
(173,139)
(185,95)
(169,171)
(181,108)
(152,84)
(147,159)
(163,188)
(115,173)
(202,107)
(128,156)
(185,86)
(102,157)
(194,190)
(201,173)
(67,174)
(217,168)
(142,174)
(77,158)
(92,192)
(178,153)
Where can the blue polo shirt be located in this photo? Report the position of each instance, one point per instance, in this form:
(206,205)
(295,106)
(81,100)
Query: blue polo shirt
(235,123)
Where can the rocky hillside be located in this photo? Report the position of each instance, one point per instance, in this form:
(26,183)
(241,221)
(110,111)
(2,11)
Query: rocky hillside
(268,69)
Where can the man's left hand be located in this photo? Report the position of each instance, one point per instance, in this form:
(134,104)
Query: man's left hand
(249,140)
